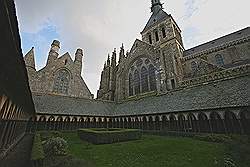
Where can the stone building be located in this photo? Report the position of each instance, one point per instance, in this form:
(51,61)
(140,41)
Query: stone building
(159,62)
(61,75)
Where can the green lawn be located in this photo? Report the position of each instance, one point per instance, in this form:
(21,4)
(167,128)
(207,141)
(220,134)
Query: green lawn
(150,151)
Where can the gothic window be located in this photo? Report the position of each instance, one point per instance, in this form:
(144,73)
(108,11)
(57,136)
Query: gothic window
(65,62)
(163,32)
(130,85)
(219,60)
(150,38)
(137,82)
(156,36)
(61,82)
(152,77)
(194,66)
(144,79)
(141,77)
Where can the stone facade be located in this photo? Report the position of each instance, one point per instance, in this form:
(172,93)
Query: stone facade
(61,75)
(159,62)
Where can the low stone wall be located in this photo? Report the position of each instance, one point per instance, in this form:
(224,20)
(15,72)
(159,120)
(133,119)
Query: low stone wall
(107,136)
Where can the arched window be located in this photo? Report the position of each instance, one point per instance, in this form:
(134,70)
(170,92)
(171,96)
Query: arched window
(150,38)
(61,82)
(137,82)
(152,77)
(156,36)
(130,85)
(163,32)
(144,79)
(219,60)
(141,77)
(194,66)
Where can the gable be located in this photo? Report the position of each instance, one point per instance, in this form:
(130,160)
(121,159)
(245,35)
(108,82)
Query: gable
(140,47)
(67,57)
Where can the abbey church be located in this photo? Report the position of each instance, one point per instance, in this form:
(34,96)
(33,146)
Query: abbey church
(159,62)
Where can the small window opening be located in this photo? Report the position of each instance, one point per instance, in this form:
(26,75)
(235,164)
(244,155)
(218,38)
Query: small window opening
(150,38)
(173,83)
(156,36)
(65,62)
(163,32)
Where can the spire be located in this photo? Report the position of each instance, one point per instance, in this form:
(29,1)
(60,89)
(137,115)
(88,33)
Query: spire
(29,58)
(108,61)
(156,5)
(122,54)
(105,65)
(113,59)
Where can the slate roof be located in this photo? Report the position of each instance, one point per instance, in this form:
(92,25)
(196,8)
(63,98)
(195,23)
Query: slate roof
(219,41)
(155,18)
(62,105)
(227,93)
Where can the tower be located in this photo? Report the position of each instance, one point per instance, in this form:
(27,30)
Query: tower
(78,61)
(53,53)
(163,33)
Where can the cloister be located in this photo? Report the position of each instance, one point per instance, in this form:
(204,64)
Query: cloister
(232,121)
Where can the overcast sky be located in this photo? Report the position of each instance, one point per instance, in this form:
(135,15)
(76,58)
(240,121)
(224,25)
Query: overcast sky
(99,26)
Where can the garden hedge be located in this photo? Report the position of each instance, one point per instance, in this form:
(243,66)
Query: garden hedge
(107,136)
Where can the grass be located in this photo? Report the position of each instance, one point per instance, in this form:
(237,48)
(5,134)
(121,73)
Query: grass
(150,151)
(37,149)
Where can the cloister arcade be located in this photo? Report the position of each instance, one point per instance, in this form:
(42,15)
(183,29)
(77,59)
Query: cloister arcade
(13,123)
(234,120)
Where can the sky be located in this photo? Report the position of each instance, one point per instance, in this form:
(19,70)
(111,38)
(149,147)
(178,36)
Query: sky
(99,26)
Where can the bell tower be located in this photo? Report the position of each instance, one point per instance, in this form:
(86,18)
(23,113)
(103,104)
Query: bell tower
(164,34)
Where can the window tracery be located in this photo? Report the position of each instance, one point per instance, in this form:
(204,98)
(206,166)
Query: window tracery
(142,77)
(61,82)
